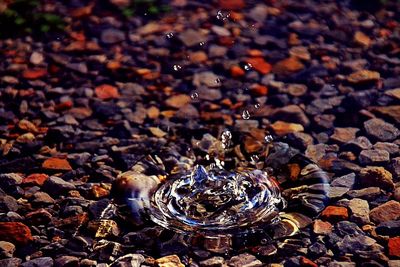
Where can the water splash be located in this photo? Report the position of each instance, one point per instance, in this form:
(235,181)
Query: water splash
(216,200)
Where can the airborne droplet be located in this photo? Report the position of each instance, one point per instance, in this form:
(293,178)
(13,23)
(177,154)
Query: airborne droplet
(268,138)
(226,137)
(194,95)
(170,35)
(248,67)
(257,106)
(246,114)
(177,67)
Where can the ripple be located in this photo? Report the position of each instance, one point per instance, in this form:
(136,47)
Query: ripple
(217,200)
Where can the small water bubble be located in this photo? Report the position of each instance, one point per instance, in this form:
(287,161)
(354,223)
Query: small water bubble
(170,35)
(177,67)
(257,106)
(194,95)
(268,138)
(248,66)
(246,114)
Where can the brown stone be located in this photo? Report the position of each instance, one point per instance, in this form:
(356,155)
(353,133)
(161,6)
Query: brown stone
(15,232)
(294,169)
(288,66)
(106,91)
(376,176)
(394,246)
(237,71)
(169,261)
(322,228)
(307,262)
(34,74)
(344,135)
(99,192)
(178,101)
(300,52)
(335,213)
(363,76)
(56,164)
(388,211)
(259,90)
(198,57)
(395,93)
(362,39)
(35,179)
(282,128)
(260,65)
(392,112)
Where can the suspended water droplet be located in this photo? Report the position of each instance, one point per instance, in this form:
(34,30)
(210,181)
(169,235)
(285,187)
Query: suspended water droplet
(268,138)
(170,35)
(194,95)
(202,43)
(218,81)
(177,67)
(254,159)
(226,137)
(248,66)
(257,106)
(222,16)
(246,114)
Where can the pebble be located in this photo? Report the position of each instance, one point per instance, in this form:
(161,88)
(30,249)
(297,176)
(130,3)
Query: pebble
(322,228)
(381,130)
(392,148)
(363,76)
(15,232)
(390,228)
(368,193)
(359,209)
(376,176)
(347,181)
(376,156)
(354,244)
(244,260)
(291,113)
(112,36)
(7,249)
(192,38)
(344,135)
(178,101)
(56,164)
(282,128)
(334,213)
(213,262)
(169,261)
(12,262)
(388,211)
(66,261)
(56,185)
(394,246)
(345,228)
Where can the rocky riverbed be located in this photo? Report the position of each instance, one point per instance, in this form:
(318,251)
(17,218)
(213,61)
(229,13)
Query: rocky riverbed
(152,92)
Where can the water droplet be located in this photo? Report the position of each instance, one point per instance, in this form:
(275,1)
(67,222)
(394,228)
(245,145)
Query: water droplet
(257,106)
(248,66)
(170,35)
(194,95)
(202,43)
(226,137)
(264,241)
(254,159)
(268,138)
(246,114)
(177,67)
(222,16)
(218,81)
